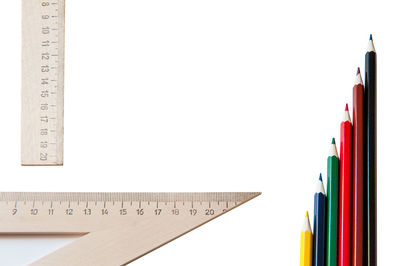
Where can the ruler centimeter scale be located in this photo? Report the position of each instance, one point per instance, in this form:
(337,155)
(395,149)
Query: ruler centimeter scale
(116,228)
(42,82)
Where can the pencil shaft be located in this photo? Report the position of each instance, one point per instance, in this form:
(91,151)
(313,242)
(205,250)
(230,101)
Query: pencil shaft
(306,248)
(332,210)
(358,177)
(345,182)
(319,229)
(370,220)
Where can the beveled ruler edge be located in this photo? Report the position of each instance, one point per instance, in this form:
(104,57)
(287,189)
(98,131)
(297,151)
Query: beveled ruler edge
(125,196)
(184,224)
(37,150)
(256,194)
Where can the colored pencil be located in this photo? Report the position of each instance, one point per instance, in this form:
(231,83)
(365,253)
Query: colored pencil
(358,177)
(344,238)
(319,224)
(332,205)
(370,153)
(306,243)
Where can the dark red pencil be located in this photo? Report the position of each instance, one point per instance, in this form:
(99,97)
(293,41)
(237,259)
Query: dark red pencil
(345,190)
(358,177)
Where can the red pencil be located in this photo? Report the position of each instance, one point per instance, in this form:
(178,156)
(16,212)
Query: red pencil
(358,176)
(345,188)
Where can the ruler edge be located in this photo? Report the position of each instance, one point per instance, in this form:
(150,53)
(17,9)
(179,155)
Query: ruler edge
(251,195)
(112,196)
(61,73)
(161,244)
(194,228)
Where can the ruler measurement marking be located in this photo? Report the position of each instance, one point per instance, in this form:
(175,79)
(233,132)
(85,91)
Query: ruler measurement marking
(45,136)
(106,210)
(42,46)
(164,212)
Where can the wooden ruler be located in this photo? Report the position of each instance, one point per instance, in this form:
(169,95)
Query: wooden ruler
(116,228)
(42,82)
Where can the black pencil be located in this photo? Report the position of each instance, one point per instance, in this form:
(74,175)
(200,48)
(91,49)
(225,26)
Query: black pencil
(370,155)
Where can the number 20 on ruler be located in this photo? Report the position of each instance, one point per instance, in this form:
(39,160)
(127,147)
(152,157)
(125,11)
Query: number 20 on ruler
(42,82)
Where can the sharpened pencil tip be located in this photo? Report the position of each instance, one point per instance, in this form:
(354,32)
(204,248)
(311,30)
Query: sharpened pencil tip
(358,71)
(320,177)
(333,141)
(370,47)
(347,107)
(306,214)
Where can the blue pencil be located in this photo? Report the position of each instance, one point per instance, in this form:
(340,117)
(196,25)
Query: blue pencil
(319,224)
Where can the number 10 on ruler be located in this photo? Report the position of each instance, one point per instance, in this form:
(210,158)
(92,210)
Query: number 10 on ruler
(42,82)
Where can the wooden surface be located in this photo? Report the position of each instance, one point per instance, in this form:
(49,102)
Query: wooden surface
(42,92)
(117,228)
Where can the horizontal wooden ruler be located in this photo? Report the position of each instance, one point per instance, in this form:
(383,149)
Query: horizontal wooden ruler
(116,228)
(42,82)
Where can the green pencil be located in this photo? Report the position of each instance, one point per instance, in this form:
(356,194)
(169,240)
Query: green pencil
(332,210)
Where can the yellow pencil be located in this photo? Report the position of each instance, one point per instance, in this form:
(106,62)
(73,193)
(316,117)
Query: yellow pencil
(306,243)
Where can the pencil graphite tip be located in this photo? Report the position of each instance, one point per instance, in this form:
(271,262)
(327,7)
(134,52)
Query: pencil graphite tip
(320,186)
(332,149)
(371,47)
(358,79)
(306,224)
(346,115)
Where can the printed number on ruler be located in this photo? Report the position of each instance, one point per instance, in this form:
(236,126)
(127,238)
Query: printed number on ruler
(42,82)
(107,208)
(48,68)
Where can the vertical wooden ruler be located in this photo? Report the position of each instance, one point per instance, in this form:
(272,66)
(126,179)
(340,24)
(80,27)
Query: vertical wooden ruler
(115,228)
(42,82)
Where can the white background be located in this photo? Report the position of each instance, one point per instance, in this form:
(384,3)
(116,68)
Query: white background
(210,95)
